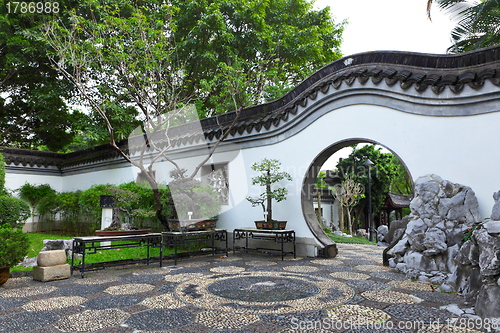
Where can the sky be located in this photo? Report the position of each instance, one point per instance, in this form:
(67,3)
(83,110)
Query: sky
(388,25)
(400,25)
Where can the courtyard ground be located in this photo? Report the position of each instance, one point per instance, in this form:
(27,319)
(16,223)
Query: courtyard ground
(241,293)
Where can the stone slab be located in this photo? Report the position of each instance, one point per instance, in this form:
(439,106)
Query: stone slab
(51,258)
(52,273)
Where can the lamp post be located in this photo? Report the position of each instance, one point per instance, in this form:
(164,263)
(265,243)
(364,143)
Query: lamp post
(370,163)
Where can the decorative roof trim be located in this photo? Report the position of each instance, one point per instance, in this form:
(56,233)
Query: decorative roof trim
(398,71)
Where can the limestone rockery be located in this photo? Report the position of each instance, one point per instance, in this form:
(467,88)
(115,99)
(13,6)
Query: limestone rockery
(444,241)
(441,212)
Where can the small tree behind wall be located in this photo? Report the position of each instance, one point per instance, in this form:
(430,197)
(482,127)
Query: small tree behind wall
(270,174)
(348,193)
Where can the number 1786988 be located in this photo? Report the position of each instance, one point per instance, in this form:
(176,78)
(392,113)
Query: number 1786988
(33,7)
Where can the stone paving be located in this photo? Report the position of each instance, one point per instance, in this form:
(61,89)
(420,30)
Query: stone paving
(244,293)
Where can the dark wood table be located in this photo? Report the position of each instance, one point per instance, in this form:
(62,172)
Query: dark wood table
(92,244)
(277,236)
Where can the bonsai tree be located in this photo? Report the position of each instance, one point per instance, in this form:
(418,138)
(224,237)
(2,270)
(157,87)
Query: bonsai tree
(191,195)
(270,174)
(13,245)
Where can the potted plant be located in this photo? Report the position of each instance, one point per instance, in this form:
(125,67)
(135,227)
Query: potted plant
(270,174)
(13,248)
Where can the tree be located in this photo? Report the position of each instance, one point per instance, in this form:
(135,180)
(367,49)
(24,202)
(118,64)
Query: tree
(276,43)
(126,56)
(402,183)
(33,194)
(270,174)
(478,23)
(382,173)
(33,97)
(348,193)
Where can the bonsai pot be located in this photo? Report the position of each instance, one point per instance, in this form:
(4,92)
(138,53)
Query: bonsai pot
(4,274)
(192,225)
(272,225)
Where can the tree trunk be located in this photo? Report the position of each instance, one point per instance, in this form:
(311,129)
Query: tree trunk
(159,207)
(269,200)
(341,218)
(349,221)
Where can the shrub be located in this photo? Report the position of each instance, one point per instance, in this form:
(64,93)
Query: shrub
(13,211)
(13,245)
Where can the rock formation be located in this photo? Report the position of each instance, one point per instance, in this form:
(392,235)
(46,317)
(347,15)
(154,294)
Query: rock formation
(440,213)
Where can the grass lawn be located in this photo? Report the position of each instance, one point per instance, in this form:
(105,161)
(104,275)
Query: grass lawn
(36,244)
(348,240)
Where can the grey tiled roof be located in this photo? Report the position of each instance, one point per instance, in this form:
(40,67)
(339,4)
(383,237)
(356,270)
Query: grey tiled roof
(416,71)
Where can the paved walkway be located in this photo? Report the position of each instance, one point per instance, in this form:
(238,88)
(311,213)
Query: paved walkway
(242,293)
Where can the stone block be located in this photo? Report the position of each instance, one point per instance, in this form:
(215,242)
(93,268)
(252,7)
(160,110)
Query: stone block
(51,258)
(52,273)
(493,227)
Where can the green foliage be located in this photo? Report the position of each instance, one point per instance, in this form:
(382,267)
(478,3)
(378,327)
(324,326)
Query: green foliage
(348,240)
(320,182)
(270,174)
(34,109)
(276,44)
(13,245)
(468,234)
(13,211)
(477,26)
(381,175)
(402,182)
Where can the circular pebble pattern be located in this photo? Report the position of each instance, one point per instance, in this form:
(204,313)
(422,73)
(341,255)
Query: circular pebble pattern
(183,276)
(410,285)
(219,319)
(129,289)
(416,312)
(350,276)
(159,319)
(118,301)
(92,320)
(54,303)
(25,292)
(227,269)
(388,296)
(357,314)
(165,301)
(262,289)
(201,297)
(372,268)
(260,263)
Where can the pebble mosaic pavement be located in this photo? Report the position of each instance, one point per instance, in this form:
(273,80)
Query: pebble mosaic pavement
(242,293)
